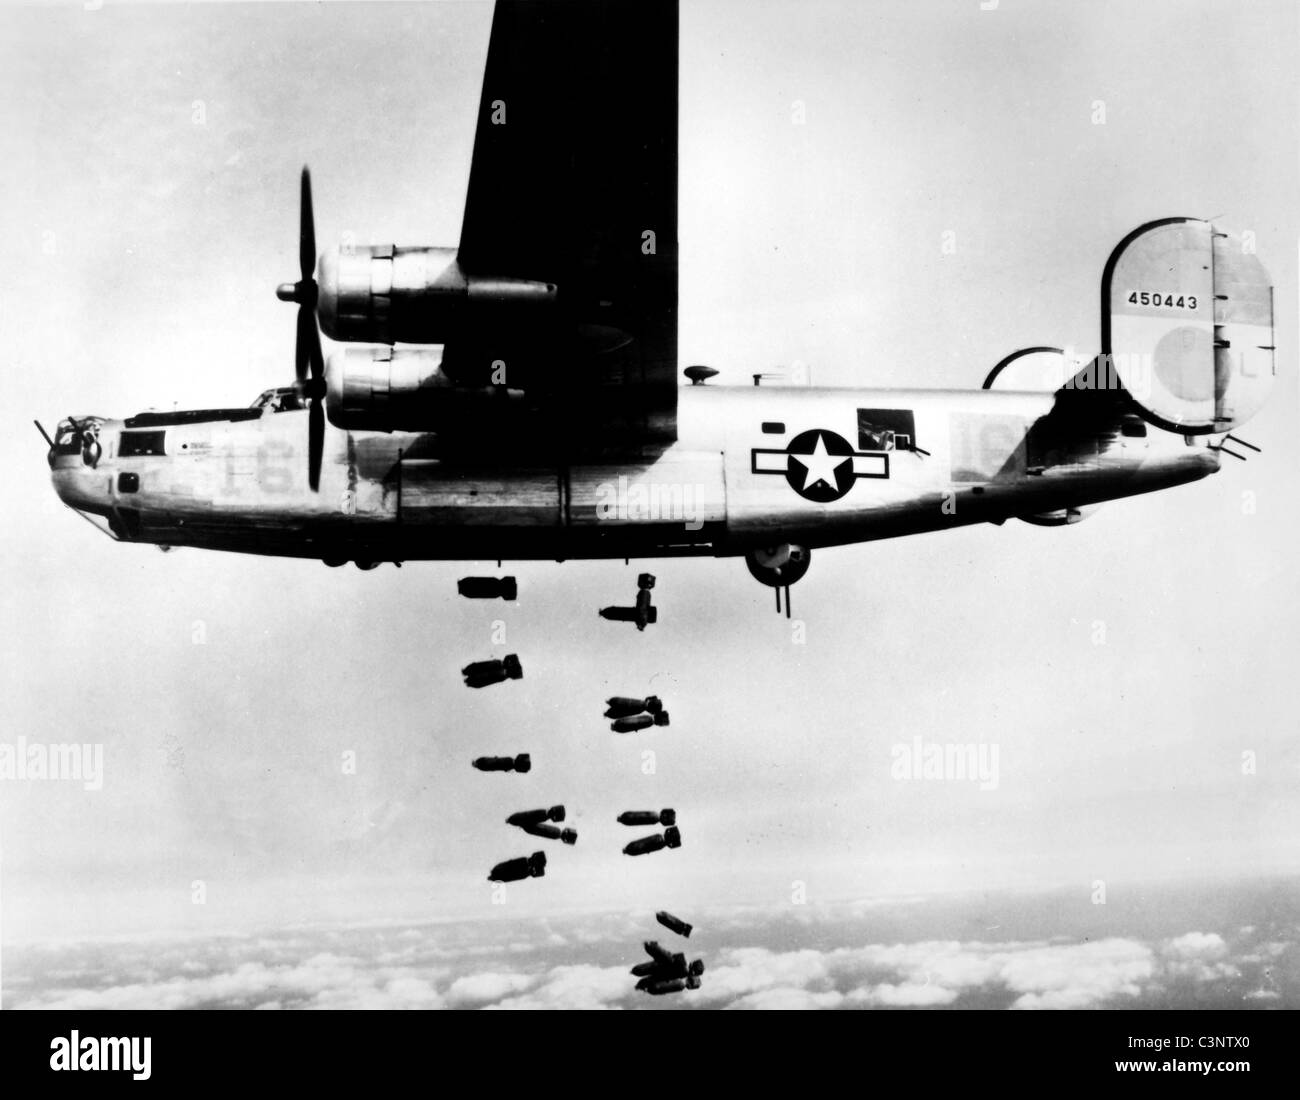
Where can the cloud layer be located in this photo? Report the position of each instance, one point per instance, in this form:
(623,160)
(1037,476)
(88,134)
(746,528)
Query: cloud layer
(823,957)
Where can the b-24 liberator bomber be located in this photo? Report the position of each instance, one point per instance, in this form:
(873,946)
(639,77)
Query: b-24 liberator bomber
(517,396)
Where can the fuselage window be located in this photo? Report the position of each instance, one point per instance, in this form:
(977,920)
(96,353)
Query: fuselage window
(134,444)
(773,427)
(886,430)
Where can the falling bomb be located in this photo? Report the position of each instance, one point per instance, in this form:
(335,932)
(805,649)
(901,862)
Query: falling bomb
(487,588)
(480,674)
(512,870)
(521,763)
(669,838)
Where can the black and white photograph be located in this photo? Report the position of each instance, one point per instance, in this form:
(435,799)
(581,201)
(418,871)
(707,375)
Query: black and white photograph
(659,505)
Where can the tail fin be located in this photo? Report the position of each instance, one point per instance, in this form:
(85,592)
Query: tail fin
(1187,325)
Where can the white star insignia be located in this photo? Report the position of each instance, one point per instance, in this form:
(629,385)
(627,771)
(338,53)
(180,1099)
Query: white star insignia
(821,465)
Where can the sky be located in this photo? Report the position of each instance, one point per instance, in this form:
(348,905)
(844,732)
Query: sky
(1121,667)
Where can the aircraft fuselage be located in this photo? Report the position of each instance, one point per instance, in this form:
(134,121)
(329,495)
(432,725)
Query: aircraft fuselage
(751,468)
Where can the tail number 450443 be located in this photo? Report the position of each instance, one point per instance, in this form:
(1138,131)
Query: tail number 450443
(1155,298)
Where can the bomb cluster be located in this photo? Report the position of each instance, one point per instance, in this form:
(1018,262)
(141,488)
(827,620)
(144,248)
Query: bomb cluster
(667,971)
(664,971)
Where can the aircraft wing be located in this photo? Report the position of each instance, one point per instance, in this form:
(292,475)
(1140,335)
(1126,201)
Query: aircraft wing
(574,182)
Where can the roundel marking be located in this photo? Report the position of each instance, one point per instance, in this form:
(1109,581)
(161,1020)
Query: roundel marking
(820,466)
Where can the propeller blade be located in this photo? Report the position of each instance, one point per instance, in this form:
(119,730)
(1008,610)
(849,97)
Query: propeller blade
(315,358)
(306,230)
(302,345)
(315,442)
(308,359)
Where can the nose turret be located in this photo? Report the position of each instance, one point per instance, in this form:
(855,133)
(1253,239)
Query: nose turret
(76,461)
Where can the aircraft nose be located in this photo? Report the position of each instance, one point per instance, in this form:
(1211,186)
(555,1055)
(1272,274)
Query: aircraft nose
(75,457)
(79,487)
(62,481)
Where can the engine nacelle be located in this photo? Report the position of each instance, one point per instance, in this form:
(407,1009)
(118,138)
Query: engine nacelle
(390,390)
(385,294)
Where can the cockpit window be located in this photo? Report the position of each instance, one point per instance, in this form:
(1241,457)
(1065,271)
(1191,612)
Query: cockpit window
(141,443)
(283,399)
